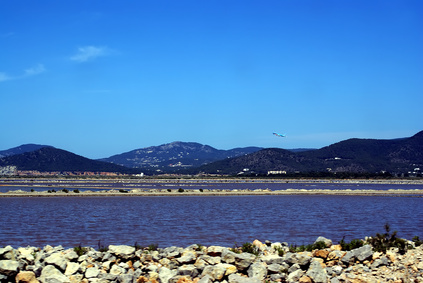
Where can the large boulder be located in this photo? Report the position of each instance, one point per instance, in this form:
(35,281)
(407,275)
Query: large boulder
(122,251)
(58,260)
(328,242)
(257,270)
(9,267)
(52,274)
(316,272)
(244,260)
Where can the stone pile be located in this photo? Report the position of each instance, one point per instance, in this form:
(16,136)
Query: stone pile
(271,262)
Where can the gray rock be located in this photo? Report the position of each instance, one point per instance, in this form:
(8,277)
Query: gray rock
(71,268)
(327,242)
(188,270)
(383,261)
(294,267)
(206,279)
(126,278)
(188,257)
(57,259)
(316,272)
(116,270)
(295,276)
(236,278)
(7,252)
(214,271)
(27,254)
(165,274)
(348,257)
(71,255)
(107,256)
(51,274)
(303,259)
(278,277)
(92,272)
(363,252)
(257,270)
(9,267)
(228,256)
(122,251)
(274,268)
(213,259)
(271,259)
(215,250)
(244,260)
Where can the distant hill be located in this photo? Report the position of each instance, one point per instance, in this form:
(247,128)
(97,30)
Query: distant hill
(21,149)
(47,159)
(353,155)
(175,155)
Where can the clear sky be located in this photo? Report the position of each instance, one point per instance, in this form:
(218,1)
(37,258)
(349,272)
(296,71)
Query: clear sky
(100,78)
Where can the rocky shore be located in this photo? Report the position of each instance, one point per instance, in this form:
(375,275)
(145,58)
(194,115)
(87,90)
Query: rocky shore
(263,262)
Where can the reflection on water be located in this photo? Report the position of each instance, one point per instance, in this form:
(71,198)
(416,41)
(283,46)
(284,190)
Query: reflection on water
(218,220)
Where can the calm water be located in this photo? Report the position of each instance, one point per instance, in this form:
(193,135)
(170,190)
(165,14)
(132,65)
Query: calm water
(186,220)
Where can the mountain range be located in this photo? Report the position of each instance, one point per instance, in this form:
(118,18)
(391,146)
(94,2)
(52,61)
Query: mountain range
(402,155)
(176,155)
(353,155)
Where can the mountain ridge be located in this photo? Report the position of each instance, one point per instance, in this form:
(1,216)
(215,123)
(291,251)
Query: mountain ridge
(351,155)
(400,155)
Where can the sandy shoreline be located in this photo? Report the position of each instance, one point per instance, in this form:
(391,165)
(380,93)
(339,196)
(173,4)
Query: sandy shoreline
(137,187)
(113,193)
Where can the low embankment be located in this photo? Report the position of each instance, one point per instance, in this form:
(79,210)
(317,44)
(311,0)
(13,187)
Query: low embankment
(253,262)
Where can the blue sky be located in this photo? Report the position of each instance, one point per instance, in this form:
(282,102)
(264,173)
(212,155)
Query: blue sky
(104,77)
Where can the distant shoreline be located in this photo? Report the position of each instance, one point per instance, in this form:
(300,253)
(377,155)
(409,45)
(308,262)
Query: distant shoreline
(100,185)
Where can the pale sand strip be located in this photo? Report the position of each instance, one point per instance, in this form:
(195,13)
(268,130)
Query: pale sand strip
(399,192)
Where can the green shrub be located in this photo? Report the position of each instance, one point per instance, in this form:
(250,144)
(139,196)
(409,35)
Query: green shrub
(250,248)
(383,242)
(316,246)
(80,250)
(180,190)
(152,247)
(101,247)
(417,241)
(76,191)
(65,191)
(123,191)
(354,244)
(169,190)
(280,251)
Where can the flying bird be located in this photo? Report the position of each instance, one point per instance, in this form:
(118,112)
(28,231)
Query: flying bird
(279,135)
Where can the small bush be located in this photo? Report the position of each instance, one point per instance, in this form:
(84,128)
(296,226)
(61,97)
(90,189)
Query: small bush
(383,242)
(102,248)
(250,248)
(169,190)
(354,244)
(316,246)
(123,191)
(76,191)
(80,250)
(180,190)
(201,190)
(65,191)
(152,247)
(280,251)
(32,190)
(417,241)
